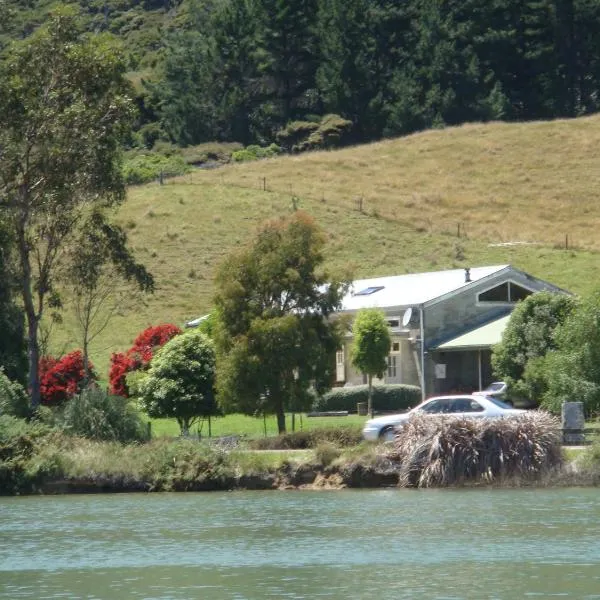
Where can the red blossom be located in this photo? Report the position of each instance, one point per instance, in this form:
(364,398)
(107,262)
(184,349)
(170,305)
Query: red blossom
(138,357)
(61,378)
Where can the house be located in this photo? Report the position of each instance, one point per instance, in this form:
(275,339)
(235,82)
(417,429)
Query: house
(443,324)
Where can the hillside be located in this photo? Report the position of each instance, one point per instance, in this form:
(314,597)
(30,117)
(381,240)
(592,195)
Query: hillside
(504,184)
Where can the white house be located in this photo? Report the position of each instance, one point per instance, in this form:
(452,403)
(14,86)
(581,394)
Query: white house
(443,324)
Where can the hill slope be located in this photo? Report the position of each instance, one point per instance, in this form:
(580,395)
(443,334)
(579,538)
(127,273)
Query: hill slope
(501,183)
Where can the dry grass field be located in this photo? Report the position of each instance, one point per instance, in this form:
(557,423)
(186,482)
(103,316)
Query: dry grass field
(516,191)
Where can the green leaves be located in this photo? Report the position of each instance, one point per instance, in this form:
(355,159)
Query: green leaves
(273,334)
(372,342)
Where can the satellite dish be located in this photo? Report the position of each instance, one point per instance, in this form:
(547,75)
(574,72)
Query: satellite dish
(406,317)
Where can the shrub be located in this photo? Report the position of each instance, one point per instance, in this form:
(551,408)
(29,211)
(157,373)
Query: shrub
(391,397)
(142,168)
(326,453)
(300,136)
(96,415)
(61,379)
(255,153)
(138,356)
(13,398)
(434,452)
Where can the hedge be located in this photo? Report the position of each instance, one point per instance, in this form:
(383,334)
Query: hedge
(391,397)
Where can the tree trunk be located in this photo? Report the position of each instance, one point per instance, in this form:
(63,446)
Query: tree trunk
(370,400)
(280,418)
(33,349)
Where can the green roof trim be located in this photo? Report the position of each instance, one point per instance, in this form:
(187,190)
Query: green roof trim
(481,337)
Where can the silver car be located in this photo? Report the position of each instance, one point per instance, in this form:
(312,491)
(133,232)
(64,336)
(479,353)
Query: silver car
(385,428)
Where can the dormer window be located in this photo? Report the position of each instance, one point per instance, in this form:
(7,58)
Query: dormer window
(505,293)
(369,291)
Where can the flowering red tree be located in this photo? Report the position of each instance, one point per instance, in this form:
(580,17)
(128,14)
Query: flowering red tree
(138,357)
(61,378)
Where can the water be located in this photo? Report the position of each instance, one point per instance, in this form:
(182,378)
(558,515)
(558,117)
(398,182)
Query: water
(442,544)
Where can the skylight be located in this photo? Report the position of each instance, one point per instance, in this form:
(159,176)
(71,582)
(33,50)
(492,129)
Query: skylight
(370,290)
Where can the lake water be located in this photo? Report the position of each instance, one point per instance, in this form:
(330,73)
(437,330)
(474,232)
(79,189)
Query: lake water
(443,544)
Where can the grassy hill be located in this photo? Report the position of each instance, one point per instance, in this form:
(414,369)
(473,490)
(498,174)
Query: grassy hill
(513,192)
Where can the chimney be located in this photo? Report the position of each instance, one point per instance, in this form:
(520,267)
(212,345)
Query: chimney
(467,275)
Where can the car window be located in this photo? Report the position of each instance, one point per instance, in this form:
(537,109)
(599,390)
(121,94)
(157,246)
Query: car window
(439,406)
(499,403)
(494,387)
(466,405)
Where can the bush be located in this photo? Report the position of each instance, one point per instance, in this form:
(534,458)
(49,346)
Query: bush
(142,168)
(138,356)
(96,415)
(434,452)
(326,453)
(13,398)
(61,379)
(255,153)
(392,397)
(300,136)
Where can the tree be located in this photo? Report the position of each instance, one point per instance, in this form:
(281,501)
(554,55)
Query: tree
(274,337)
(528,337)
(573,368)
(61,379)
(180,381)
(101,258)
(64,107)
(139,356)
(371,346)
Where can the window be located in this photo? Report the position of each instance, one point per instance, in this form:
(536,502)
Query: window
(393,323)
(395,346)
(508,292)
(391,372)
(436,407)
(370,290)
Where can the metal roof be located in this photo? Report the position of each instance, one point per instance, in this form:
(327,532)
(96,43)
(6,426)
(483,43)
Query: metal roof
(411,289)
(481,337)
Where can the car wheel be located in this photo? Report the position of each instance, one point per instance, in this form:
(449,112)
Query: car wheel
(388,434)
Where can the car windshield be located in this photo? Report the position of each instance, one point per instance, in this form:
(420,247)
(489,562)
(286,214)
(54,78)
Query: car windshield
(499,403)
(494,387)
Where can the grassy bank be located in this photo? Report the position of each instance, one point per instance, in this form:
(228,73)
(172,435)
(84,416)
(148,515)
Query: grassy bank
(35,458)
(501,183)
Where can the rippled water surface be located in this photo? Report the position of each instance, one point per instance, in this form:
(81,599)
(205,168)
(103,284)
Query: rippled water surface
(455,544)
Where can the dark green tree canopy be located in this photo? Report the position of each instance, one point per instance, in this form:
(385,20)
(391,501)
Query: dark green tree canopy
(273,335)
(572,370)
(528,337)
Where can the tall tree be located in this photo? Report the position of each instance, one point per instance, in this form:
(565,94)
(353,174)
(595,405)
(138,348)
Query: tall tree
(64,107)
(273,335)
(288,63)
(101,260)
(370,346)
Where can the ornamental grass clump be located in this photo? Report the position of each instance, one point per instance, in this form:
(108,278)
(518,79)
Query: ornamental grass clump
(438,452)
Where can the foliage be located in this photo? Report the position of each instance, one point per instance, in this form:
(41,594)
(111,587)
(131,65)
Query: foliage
(13,398)
(435,452)
(142,168)
(255,153)
(299,136)
(387,398)
(96,415)
(64,110)
(61,379)
(573,369)
(528,337)
(180,381)
(13,357)
(371,345)
(273,334)
(138,356)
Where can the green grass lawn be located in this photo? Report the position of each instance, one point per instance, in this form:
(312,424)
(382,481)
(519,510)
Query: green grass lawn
(252,427)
